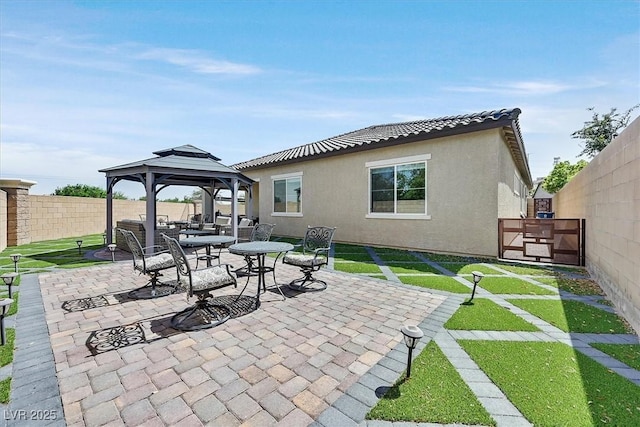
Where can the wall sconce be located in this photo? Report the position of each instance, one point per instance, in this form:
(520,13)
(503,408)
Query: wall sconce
(477,276)
(79,243)
(15,258)
(112,249)
(412,335)
(8,279)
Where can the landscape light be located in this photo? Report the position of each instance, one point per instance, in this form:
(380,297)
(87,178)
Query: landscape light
(15,258)
(8,279)
(79,243)
(112,249)
(412,335)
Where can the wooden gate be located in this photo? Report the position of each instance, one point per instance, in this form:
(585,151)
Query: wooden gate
(558,241)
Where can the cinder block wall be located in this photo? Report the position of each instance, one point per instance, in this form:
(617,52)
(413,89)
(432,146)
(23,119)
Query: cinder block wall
(3,220)
(607,194)
(55,217)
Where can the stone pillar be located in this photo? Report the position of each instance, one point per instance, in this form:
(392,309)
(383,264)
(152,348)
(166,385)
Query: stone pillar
(18,210)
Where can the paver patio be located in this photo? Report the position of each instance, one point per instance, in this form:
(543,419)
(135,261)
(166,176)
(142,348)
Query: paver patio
(282,364)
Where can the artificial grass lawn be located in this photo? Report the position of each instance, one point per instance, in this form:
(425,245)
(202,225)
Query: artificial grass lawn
(442,283)
(14,306)
(435,393)
(526,270)
(486,315)
(411,267)
(352,257)
(53,253)
(629,354)
(552,385)
(5,390)
(574,316)
(575,286)
(468,268)
(511,285)
(356,267)
(397,256)
(6,351)
(344,248)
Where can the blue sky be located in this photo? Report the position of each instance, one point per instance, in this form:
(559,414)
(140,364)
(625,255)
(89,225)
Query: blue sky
(87,85)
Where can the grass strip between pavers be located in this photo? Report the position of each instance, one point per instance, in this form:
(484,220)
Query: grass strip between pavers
(411,267)
(5,390)
(6,351)
(575,286)
(486,315)
(526,270)
(574,316)
(441,283)
(468,268)
(356,267)
(629,354)
(553,385)
(512,285)
(435,393)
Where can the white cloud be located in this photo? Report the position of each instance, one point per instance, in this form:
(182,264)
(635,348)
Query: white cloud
(526,88)
(197,61)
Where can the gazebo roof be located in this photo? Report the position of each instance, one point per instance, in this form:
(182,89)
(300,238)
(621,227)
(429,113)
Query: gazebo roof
(183,165)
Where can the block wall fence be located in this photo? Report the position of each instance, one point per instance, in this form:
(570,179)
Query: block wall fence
(607,194)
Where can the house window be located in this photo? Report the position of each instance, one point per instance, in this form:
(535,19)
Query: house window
(398,188)
(287,194)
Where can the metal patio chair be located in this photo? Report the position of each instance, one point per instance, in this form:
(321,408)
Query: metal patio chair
(151,262)
(315,253)
(199,283)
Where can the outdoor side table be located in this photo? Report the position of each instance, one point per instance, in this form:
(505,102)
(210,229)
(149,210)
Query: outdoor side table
(5,303)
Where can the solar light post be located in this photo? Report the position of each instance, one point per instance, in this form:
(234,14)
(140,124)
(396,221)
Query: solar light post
(112,249)
(15,258)
(477,276)
(104,238)
(412,335)
(79,243)
(8,279)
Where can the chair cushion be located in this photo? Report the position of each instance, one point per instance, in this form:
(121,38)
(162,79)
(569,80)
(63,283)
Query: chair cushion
(208,278)
(156,262)
(303,260)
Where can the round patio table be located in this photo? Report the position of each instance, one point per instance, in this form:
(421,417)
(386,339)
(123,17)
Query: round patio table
(260,249)
(207,241)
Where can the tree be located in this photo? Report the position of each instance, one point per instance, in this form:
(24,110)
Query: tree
(84,190)
(561,174)
(601,130)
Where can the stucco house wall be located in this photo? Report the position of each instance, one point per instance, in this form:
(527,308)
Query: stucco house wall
(469,184)
(607,194)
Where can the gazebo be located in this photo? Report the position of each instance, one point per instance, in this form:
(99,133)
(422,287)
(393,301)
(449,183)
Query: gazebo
(185,165)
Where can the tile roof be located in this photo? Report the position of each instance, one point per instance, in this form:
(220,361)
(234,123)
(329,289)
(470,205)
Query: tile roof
(397,133)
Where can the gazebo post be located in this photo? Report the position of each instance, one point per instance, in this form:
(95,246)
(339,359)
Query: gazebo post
(150,224)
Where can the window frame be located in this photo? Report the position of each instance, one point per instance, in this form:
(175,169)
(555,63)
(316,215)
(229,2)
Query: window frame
(286,177)
(395,163)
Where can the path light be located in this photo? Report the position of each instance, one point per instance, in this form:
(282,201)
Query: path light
(112,249)
(79,243)
(15,258)
(477,276)
(412,335)
(8,279)
(104,238)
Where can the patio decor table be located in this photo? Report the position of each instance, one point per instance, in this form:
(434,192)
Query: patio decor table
(207,241)
(260,250)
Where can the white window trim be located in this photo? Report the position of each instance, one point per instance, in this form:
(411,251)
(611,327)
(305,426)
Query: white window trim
(394,162)
(286,176)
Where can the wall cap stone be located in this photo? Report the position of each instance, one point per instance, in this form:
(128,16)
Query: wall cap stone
(16,183)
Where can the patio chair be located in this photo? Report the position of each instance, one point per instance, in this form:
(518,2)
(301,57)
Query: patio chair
(149,263)
(259,233)
(204,313)
(315,253)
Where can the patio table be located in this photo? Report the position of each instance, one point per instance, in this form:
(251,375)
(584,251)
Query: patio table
(260,249)
(190,233)
(207,241)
